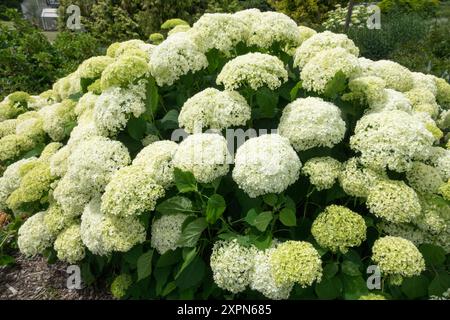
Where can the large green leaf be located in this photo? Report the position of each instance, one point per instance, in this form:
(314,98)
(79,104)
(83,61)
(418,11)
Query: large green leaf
(415,287)
(185,181)
(144,265)
(174,205)
(288,218)
(192,232)
(267,101)
(350,268)
(433,255)
(188,256)
(168,258)
(215,208)
(170,120)
(336,85)
(354,287)
(439,284)
(136,128)
(329,288)
(271,199)
(330,270)
(262,220)
(192,275)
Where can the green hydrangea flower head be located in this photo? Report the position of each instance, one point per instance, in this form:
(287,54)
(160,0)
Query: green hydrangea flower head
(120,285)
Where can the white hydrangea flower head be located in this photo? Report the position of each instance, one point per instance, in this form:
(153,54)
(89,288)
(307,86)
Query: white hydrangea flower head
(93,67)
(367,90)
(356,180)
(59,161)
(90,167)
(323,67)
(85,130)
(68,245)
(55,220)
(296,262)
(205,155)
(391,100)
(322,41)
(443,92)
(33,236)
(214,109)
(232,264)
(156,160)
(305,33)
(404,230)
(423,100)
(221,31)
(174,57)
(391,139)
(103,234)
(394,201)
(67,86)
(322,171)
(273,27)
(261,278)
(131,192)
(249,16)
(396,76)
(124,71)
(58,119)
(424,178)
(8,127)
(254,70)
(166,231)
(425,81)
(338,228)
(115,106)
(266,164)
(11,180)
(312,122)
(85,105)
(398,258)
(440,159)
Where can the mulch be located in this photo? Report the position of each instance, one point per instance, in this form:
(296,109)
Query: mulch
(35,279)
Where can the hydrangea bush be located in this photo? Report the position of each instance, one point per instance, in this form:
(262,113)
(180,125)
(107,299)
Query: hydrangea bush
(242,157)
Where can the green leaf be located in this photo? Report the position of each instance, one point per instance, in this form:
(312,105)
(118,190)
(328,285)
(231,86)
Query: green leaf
(152,100)
(36,151)
(215,208)
(271,199)
(262,220)
(189,257)
(169,288)
(86,274)
(439,284)
(85,83)
(136,128)
(168,258)
(294,91)
(161,275)
(6,260)
(251,216)
(192,275)
(330,270)
(329,288)
(170,120)
(415,287)
(185,181)
(267,101)
(354,287)
(350,268)
(174,205)
(433,255)
(192,232)
(144,265)
(263,241)
(133,255)
(336,85)
(288,218)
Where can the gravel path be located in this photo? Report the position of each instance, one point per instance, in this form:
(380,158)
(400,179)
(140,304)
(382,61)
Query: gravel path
(34,279)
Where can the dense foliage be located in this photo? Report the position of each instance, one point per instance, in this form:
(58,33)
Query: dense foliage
(28,61)
(355,175)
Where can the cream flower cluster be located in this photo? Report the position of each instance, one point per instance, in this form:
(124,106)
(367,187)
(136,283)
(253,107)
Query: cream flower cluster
(266,164)
(397,258)
(311,122)
(394,201)
(254,70)
(174,57)
(93,67)
(322,41)
(392,139)
(124,71)
(156,160)
(338,228)
(221,31)
(395,75)
(205,155)
(323,67)
(131,192)
(214,109)
(34,237)
(232,264)
(322,171)
(103,234)
(68,245)
(115,106)
(424,178)
(166,231)
(90,168)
